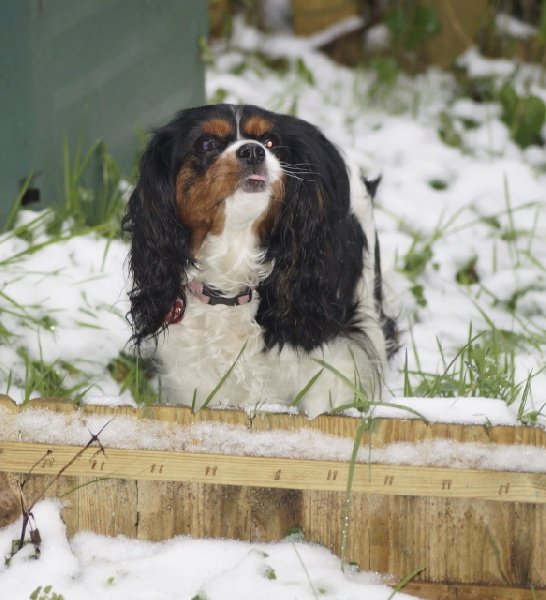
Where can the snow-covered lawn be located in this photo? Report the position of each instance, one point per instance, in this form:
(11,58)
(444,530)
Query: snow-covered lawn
(469,212)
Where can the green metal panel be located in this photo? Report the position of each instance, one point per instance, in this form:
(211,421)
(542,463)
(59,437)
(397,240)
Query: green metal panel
(98,68)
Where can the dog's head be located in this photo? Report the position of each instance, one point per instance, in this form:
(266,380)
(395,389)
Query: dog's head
(227,167)
(228,172)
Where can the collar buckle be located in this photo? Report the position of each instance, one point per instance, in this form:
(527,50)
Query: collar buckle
(215,297)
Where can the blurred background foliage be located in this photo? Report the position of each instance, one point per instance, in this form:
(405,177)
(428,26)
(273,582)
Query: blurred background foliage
(391,37)
(420,32)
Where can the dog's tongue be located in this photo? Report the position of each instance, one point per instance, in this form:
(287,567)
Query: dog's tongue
(256,177)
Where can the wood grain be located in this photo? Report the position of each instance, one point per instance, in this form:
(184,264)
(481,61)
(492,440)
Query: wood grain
(10,505)
(438,591)
(382,433)
(157,465)
(479,533)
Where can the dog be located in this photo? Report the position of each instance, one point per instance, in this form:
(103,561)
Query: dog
(255,264)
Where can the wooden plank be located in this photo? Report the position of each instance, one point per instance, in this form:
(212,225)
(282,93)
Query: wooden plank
(468,527)
(382,433)
(391,535)
(459,540)
(169,508)
(110,507)
(485,535)
(460,22)
(40,486)
(439,591)
(311,16)
(10,506)
(390,480)
(267,524)
(536,537)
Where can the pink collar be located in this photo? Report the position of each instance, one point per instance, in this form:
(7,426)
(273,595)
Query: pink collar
(207,295)
(212,296)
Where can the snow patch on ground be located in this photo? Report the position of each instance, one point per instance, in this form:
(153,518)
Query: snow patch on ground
(92,566)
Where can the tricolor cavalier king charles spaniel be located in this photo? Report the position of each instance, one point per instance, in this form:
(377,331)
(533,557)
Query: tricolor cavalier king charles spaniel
(254,252)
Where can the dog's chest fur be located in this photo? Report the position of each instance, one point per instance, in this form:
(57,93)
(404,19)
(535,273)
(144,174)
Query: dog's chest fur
(198,352)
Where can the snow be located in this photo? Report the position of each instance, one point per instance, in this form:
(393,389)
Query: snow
(482,67)
(77,286)
(514,27)
(91,566)
(65,302)
(469,411)
(343,27)
(47,427)
(95,566)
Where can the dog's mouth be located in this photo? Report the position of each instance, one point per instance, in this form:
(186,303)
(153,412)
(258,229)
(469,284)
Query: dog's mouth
(255,182)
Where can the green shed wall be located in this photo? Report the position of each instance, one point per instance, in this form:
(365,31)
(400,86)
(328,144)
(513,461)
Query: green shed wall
(99,68)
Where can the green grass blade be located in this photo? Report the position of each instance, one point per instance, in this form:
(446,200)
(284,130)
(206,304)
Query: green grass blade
(304,391)
(224,377)
(368,405)
(408,390)
(359,393)
(362,427)
(16,205)
(406,580)
(315,594)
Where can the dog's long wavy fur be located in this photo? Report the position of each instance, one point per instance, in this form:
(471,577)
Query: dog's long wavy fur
(316,244)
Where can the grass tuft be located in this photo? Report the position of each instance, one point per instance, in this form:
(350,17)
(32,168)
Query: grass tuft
(45,593)
(484,367)
(96,205)
(47,379)
(135,374)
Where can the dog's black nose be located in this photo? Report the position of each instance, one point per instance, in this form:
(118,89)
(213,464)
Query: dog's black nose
(251,153)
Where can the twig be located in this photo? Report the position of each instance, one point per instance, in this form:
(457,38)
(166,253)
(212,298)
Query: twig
(26,509)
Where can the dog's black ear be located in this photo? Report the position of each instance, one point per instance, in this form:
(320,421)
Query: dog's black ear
(372,185)
(388,324)
(317,246)
(160,245)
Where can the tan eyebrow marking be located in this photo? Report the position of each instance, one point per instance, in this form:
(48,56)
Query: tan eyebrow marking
(257,126)
(218,127)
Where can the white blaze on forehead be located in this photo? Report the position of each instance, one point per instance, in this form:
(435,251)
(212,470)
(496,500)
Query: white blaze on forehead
(237,110)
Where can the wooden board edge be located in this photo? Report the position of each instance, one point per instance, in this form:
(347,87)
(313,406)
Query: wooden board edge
(383,431)
(285,473)
(442,591)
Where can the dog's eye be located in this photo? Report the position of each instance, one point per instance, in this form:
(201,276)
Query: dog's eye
(271,142)
(204,145)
